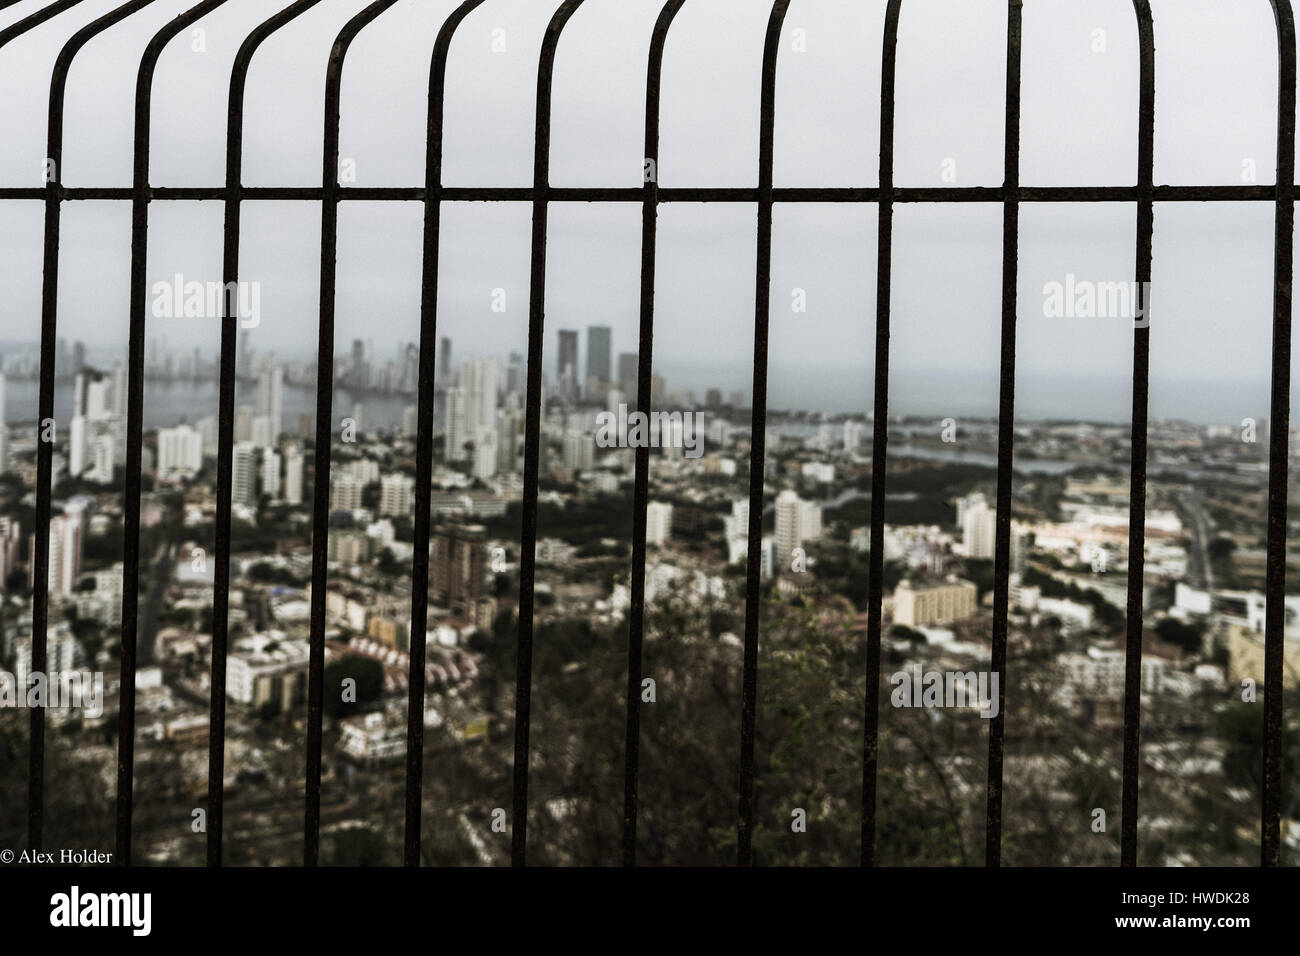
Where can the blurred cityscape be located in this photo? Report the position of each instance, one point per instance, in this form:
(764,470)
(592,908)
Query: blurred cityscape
(1203,605)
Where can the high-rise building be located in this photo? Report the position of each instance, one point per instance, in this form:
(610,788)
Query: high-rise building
(103,459)
(365,471)
(77,445)
(566,367)
(485,453)
(627,375)
(209,434)
(1021,542)
(478,380)
(261,433)
(658,522)
(99,396)
(396,494)
(854,433)
(64,553)
(797,522)
(180,452)
(270,398)
(455,428)
(293,471)
(411,421)
(508,443)
(90,404)
(10,532)
(119,391)
(244,423)
(598,360)
(243,478)
(359,372)
(410,366)
(271,472)
(458,566)
(516,380)
(444,362)
(979,527)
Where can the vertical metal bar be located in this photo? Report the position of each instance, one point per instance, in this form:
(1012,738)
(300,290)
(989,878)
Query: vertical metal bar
(1138,468)
(532,430)
(329,215)
(641,486)
(45,412)
(134,423)
(36,749)
(1006,429)
(758,435)
(424,440)
(1279,435)
(226,418)
(879,433)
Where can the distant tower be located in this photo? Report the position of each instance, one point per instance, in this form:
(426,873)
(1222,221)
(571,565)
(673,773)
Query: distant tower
(566,369)
(598,359)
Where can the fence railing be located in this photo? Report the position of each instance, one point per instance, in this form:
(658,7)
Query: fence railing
(1145,194)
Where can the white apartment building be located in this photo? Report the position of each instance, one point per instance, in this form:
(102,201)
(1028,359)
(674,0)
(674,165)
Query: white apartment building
(658,522)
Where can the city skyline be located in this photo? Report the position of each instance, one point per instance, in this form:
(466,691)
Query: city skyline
(1212,260)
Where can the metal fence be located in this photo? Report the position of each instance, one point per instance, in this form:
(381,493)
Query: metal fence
(1145,194)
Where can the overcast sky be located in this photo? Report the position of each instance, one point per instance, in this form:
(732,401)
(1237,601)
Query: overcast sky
(1215,118)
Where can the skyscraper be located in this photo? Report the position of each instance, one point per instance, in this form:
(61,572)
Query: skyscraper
(10,534)
(598,360)
(455,430)
(77,445)
(515,381)
(627,375)
(103,458)
(979,526)
(65,553)
(566,368)
(293,475)
(119,391)
(478,380)
(359,372)
(270,397)
(243,482)
(444,362)
(271,472)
